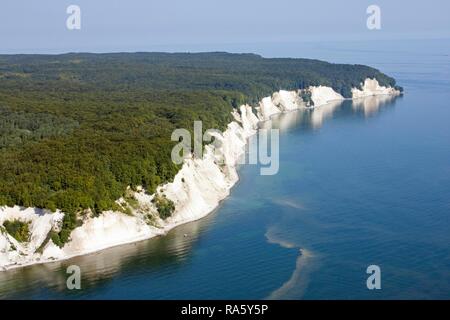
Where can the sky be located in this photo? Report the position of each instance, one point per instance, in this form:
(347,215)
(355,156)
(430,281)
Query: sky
(203,25)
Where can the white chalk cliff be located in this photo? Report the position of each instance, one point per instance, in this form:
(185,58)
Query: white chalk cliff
(322,95)
(196,190)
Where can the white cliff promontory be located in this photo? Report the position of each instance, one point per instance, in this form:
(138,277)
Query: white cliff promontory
(287,100)
(322,95)
(371,87)
(196,190)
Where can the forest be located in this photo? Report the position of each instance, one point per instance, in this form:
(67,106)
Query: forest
(77,129)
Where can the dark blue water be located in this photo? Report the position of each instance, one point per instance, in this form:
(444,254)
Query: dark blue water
(359,184)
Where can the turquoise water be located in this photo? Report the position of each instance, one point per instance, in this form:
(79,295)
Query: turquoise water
(359,184)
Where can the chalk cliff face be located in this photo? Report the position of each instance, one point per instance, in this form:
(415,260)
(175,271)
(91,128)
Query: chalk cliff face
(196,190)
(323,95)
(371,87)
(40,224)
(287,100)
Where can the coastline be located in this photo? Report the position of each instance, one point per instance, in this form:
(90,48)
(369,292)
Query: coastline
(197,189)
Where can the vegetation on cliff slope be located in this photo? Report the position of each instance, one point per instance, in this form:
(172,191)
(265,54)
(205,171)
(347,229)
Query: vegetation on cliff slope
(19,230)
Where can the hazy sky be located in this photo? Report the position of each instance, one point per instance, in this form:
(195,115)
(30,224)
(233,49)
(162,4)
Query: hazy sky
(183,25)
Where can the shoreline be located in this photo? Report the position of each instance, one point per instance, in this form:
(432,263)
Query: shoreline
(197,189)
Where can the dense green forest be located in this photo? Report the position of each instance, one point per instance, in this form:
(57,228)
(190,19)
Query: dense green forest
(77,129)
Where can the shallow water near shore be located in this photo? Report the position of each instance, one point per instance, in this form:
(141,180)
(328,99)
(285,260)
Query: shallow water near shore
(360,183)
